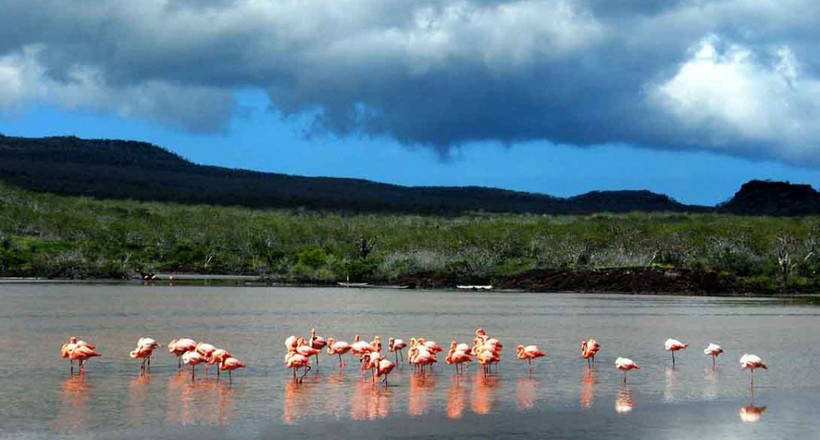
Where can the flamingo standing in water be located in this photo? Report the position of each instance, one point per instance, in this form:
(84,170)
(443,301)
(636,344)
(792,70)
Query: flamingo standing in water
(625,365)
(383,368)
(193,358)
(457,355)
(295,361)
(338,348)
(360,348)
(589,348)
(218,357)
(713,350)
(396,346)
(145,348)
(752,362)
(674,345)
(229,364)
(318,343)
(72,344)
(529,353)
(206,350)
(179,347)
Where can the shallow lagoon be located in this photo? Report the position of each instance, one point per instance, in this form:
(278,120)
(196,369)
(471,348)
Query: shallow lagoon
(560,398)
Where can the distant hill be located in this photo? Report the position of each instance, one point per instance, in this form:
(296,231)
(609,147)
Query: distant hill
(141,171)
(773,198)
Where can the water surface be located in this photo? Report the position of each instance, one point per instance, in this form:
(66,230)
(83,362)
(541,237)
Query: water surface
(560,398)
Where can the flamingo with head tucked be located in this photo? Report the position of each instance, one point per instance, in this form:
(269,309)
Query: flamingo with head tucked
(67,348)
(625,364)
(713,350)
(229,364)
(193,358)
(179,347)
(674,345)
(457,355)
(145,348)
(218,356)
(752,362)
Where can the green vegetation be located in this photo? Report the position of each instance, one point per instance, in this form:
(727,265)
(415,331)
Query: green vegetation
(74,237)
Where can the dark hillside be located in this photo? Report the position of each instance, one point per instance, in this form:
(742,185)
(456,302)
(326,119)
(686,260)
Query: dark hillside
(141,171)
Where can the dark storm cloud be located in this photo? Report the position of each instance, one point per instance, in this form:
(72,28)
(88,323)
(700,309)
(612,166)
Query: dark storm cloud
(735,76)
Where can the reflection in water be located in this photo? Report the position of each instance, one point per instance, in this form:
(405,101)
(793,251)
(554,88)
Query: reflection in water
(671,383)
(588,382)
(138,398)
(72,413)
(200,402)
(483,393)
(751,413)
(370,401)
(624,402)
(296,403)
(456,397)
(710,391)
(421,386)
(526,392)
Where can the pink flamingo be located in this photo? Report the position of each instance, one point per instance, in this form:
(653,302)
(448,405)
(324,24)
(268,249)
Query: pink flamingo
(145,348)
(67,348)
(295,361)
(360,348)
(318,343)
(625,365)
(82,353)
(229,364)
(674,345)
(179,347)
(383,368)
(713,350)
(457,356)
(529,353)
(589,348)
(338,348)
(206,350)
(752,362)
(193,358)
(218,356)
(396,346)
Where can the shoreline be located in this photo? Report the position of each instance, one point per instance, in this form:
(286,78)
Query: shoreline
(635,280)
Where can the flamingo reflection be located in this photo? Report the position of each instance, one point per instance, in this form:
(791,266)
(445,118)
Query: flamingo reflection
(456,397)
(751,413)
(671,383)
(370,401)
(138,397)
(526,392)
(201,402)
(623,401)
(483,393)
(73,410)
(296,403)
(588,382)
(421,386)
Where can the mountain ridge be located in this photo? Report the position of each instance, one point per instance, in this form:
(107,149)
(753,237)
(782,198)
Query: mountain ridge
(127,169)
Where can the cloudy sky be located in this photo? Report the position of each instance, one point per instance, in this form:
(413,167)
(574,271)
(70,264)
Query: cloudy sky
(690,98)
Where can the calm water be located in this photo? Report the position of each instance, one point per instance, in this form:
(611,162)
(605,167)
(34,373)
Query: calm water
(559,399)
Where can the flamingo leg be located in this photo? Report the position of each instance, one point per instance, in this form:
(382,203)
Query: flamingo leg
(673,359)
(307,370)
(71,363)
(230,377)
(179,362)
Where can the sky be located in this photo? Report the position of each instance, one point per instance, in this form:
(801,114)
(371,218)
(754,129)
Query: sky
(687,98)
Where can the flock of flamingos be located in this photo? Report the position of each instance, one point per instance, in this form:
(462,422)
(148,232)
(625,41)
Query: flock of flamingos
(421,354)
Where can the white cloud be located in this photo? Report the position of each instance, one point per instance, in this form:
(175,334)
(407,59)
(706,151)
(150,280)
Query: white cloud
(730,97)
(23,80)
